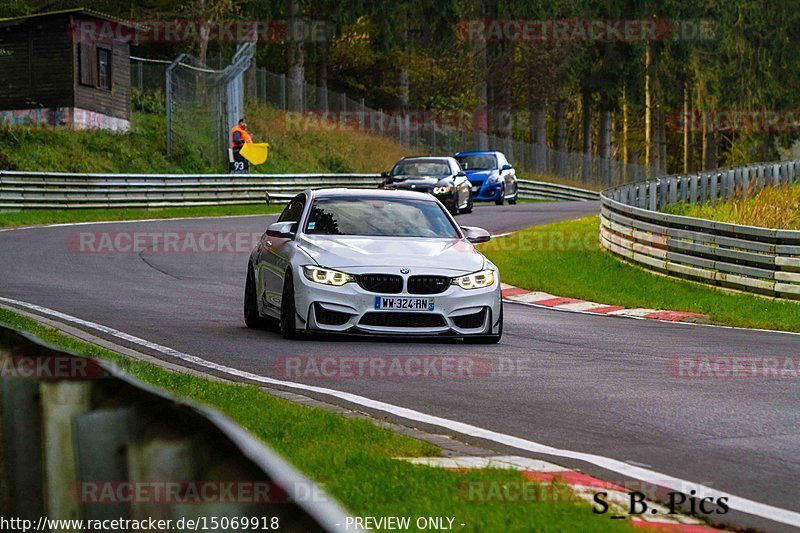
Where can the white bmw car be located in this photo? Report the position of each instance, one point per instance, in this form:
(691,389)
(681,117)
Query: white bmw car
(375,262)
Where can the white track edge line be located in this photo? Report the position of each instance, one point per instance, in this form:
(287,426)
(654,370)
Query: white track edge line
(650,476)
(720,326)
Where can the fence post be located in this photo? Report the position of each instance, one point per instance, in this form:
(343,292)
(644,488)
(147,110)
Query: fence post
(168,76)
(283,92)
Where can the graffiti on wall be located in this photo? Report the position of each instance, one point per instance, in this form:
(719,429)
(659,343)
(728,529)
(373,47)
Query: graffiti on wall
(73,117)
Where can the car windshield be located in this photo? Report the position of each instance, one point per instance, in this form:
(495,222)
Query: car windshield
(378,217)
(477,162)
(421,168)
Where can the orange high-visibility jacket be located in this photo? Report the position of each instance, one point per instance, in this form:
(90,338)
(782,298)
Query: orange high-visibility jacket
(243,137)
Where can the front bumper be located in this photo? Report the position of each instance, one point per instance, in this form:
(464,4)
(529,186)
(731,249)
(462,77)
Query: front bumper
(457,312)
(488,192)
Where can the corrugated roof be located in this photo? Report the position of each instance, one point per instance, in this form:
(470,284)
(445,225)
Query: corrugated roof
(77,11)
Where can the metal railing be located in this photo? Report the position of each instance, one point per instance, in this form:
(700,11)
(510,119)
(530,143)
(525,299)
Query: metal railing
(761,260)
(83,440)
(51,190)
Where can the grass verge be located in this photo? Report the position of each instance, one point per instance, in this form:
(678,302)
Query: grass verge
(63,216)
(566,259)
(772,207)
(354,459)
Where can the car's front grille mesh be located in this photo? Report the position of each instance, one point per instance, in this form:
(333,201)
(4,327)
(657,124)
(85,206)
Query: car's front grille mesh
(475,320)
(427,284)
(330,318)
(391,319)
(383,283)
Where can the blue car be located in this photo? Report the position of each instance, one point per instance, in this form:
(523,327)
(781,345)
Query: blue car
(492,177)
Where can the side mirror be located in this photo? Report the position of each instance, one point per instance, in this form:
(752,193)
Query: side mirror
(266,194)
(461,174)
(506,167)
(384,175)
(282,230)
(476,235)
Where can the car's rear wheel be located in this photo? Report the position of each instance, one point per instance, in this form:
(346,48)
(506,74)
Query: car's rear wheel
(499,201)
(288,323)
(251,317)
(488,339)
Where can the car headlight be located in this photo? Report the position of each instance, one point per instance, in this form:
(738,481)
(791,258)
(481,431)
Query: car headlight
(327,276)
(494,178)
(442,190)
(476,280)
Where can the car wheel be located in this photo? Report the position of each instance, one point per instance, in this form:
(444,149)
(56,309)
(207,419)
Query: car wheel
(468,209)
(513,202)
(488,339)
(251,317)
(288,323)
(502,196)
(453,208)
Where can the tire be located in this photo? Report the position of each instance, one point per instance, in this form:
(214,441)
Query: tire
(468,209)
(251,316)
(288,324)
(502,196)
(453,208)
(513,202)
(487,339)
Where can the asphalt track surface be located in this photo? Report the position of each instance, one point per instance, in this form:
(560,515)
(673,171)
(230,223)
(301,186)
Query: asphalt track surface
(594,384)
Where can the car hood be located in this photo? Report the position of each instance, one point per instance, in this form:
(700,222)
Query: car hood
(336,251)
(402,182)
(477,177)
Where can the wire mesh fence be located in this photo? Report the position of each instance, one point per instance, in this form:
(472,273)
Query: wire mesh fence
(203,99)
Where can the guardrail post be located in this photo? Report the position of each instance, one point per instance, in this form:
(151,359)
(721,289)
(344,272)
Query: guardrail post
(776,174)
(100,441)
(715,176)
(704,179)
(693,189)
(22,445)
(744,173)
(60,401)
(653,195)
(673,190)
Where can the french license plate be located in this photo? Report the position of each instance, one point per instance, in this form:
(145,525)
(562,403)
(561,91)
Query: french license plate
(404,304)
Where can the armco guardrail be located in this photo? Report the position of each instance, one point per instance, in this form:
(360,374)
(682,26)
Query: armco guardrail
(83,441)
(755,259)
(50,190)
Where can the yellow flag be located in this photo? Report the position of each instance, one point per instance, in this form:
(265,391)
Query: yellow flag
(256,153)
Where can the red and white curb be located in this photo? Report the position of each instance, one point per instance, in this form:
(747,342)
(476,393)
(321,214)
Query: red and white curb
(515,294)
(582,485)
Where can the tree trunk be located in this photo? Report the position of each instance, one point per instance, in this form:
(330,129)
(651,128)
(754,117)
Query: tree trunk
(481,121)
(662,143)
(561,138)
(605,146)
(687,141)
(405,100)
(704,146)
(295,56)
(624,134)
(648,115)
(538,125)
(322,75)
(586,105)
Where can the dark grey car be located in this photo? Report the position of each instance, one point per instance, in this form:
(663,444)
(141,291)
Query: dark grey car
(440,176)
